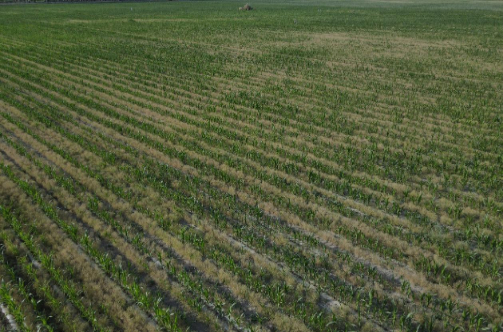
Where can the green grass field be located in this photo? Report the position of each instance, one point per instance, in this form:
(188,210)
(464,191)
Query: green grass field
(304,166)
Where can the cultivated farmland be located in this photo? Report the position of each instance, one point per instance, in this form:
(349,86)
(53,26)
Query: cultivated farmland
(304,166)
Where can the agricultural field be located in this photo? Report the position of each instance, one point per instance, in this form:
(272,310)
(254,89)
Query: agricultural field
(303,166)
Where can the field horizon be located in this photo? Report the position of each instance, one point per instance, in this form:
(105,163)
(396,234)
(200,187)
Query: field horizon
(302,166)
